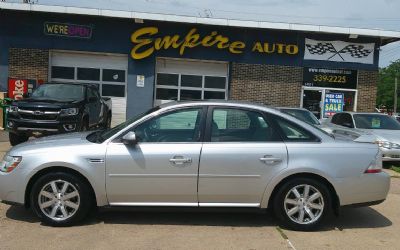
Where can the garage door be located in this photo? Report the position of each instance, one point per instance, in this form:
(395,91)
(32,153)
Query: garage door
(190,80)
(109,72)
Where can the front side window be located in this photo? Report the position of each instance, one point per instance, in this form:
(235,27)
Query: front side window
(236,125)
(177,126)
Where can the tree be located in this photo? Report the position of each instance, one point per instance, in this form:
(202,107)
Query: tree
(385,95)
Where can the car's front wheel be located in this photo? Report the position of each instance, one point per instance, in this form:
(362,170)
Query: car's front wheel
(16,139)
(303,203)
(61,199)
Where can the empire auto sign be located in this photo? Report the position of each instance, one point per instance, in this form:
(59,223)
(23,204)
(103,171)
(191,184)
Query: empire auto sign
(147,40)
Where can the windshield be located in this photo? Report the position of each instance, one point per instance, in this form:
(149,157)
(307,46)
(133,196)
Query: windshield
(371,121)
(101,136)
(59,92)
(302,115)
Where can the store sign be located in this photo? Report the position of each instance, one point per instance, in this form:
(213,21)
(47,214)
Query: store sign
(17,88)
(333,103)
(67,30)
(330,78)
(339,51)
(147,40)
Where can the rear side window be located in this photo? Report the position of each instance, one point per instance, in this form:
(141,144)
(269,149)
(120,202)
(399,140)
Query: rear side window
(237,125)
(291,132)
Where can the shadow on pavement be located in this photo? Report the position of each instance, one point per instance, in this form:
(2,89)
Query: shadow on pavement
(350,218)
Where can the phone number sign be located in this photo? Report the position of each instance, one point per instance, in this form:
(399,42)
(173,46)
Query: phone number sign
(333,103)
(330,78)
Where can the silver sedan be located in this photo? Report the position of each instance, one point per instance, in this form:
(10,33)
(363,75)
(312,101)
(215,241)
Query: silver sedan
(196,154)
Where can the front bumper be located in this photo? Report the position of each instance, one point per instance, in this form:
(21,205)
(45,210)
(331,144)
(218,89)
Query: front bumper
(11,187)
(34,127)
(390,155)
(363,189)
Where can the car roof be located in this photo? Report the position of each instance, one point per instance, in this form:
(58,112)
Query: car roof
(362,113)
(292,108)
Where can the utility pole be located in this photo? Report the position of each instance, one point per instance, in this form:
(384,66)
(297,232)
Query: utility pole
(395,96)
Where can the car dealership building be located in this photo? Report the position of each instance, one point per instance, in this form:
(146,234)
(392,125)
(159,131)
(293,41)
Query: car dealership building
(143,59)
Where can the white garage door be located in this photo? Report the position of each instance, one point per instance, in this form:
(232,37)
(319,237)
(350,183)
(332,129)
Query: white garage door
(190,80)
(109,72)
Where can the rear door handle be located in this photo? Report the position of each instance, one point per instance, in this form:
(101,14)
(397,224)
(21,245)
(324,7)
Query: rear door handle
(180,160)
(270,159)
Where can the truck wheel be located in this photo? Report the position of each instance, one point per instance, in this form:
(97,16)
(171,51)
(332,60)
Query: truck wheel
(302,204)
(16,139)
(85,125)
(108,122)
(61,199)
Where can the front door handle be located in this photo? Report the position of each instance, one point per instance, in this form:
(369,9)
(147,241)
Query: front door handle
(269,159)
(180,160)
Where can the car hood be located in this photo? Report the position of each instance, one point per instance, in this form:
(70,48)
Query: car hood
(384,134)
(50,142)
(35,103)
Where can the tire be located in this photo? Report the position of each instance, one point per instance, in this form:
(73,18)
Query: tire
(289,206)
(84,125)
(107,123)
(16,139)
(57,207)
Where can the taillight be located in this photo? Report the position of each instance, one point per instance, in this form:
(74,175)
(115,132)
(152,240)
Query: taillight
(376,164)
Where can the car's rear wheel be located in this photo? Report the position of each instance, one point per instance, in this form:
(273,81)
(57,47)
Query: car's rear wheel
(302,203)
(16,139)
(61,199)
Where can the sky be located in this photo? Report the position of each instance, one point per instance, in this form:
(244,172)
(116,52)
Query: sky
(381,14)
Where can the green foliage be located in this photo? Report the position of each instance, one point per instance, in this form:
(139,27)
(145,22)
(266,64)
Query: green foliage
(397,169)
(385,95)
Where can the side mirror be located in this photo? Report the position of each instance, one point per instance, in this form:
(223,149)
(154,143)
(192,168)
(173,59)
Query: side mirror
(129,138)
(347,124)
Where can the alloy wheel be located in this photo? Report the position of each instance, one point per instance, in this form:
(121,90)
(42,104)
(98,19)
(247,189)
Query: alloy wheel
(304,204)
(59,200)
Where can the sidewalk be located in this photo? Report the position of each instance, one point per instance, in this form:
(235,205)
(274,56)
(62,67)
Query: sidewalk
(392,173)
(3,136)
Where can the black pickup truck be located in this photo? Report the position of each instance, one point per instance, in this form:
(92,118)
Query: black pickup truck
(58,108)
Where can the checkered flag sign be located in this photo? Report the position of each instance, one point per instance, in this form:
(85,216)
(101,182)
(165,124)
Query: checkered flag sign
(356,51)
(339,51)
(321,48)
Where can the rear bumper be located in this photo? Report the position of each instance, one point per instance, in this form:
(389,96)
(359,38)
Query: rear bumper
(363,189)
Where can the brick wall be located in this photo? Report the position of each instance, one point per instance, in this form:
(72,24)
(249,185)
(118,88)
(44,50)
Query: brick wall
(267,84)
(28,63)
(367,89)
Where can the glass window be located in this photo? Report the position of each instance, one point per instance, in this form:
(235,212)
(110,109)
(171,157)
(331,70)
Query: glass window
(214,95)
(59,92)
(166,94)
(372,121)
(113,90)
(293,132)
(167,79)
(177,126)
(191,81)
(215,82)
(63,72)
(190,94)
(113,75)
(302,115)
(89,74)
(234,125)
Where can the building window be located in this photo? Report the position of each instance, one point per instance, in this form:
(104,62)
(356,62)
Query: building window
(190,87)
(63,72)
(89,74)
(113,75)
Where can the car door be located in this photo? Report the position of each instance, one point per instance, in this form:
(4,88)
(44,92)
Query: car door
(241,153)
(162,168)
(94,106)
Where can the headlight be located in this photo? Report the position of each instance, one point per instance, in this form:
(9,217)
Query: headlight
(70,111)
(388,145)
(9,163)
(12,109)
